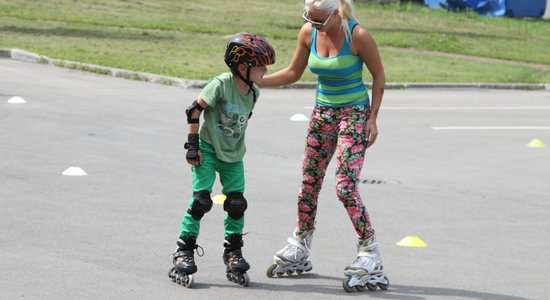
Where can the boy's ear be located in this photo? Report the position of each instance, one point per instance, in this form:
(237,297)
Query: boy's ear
(241,68)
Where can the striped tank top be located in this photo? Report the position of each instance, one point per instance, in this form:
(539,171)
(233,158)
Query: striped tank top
(340,77)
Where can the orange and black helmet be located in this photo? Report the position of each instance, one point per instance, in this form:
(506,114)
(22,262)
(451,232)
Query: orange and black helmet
(249,49)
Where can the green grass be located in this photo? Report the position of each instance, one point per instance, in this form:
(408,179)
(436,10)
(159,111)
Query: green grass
(187,38)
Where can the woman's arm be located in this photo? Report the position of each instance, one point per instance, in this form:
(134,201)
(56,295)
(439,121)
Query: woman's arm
(293,72)
(368,52)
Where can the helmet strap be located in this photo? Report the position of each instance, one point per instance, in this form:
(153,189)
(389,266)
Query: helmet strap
(250,83)
(247,80)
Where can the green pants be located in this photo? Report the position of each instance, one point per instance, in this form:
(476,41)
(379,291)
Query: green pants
(231,179)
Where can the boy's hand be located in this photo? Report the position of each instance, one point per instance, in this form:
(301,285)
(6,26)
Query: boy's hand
(196,161)
(194,155)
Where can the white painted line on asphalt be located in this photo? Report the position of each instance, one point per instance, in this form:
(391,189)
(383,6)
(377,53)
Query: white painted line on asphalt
(491,127)
(466,107)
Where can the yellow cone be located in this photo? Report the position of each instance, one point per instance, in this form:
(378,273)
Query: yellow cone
(411,241)
(536,143)
(219,198)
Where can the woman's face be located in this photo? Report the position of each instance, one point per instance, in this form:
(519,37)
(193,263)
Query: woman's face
(319,19)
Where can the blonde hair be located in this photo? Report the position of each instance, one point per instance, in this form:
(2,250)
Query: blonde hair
(344,7)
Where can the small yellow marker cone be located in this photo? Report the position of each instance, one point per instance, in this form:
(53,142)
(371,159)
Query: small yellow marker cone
(536,143)
(219,198)
(412,241)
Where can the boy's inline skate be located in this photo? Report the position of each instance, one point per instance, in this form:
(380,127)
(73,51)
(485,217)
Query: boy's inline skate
(367,270)
(293,257)
(184,262)
(236,265)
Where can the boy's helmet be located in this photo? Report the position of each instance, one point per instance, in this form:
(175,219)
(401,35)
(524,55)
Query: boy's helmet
(249,49)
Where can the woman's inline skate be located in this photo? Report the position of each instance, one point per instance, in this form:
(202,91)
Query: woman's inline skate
(236,265)
(184,262)
(367,270)
(293,257)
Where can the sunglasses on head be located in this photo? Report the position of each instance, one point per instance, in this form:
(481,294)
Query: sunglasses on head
(316,23)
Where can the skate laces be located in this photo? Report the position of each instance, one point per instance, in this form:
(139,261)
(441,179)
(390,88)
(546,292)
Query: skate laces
(235,256)
(368,261)
(296,250)
(178,252)
(201,252)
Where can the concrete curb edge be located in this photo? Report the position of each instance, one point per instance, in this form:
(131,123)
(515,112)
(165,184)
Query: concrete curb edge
(26,56)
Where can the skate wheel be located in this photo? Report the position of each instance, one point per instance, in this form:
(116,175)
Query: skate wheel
(236,279)
(270,270)
(299,272)
(345,285)
(372,287)
(360,288)
(308,266)
(245,280)
(384,286)
(289,272)
(188,282)
(172,275)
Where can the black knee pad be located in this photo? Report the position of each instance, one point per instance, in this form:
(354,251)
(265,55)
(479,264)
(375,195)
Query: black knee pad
(235,205)
(202,203)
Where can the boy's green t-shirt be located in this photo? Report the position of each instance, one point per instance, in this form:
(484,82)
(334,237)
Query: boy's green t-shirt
(226,117)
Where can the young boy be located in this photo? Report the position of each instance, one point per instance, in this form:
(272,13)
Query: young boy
(227,102)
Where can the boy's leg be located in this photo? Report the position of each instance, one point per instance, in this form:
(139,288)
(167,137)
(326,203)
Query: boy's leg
(201,202)
(232,180)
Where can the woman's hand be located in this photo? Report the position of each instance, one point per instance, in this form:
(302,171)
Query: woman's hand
(371,131)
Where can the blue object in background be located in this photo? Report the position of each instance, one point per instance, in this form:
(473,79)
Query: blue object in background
(456,5)
(435,3)
(525,8)
(492,8)
(496,8)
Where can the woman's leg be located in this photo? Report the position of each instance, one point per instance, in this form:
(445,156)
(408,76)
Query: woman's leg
(319,149)
(350,154)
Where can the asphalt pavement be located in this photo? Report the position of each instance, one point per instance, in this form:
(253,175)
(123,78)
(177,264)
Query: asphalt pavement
(451,166)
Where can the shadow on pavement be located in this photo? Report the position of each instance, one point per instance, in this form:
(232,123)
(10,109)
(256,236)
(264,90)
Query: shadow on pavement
(404,292)
(418,292)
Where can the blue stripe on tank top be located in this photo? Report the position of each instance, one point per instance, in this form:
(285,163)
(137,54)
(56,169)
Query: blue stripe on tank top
(339,82)
(362,102)
(340,92)
(340,72)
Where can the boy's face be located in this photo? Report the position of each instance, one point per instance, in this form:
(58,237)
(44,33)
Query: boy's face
(256,73)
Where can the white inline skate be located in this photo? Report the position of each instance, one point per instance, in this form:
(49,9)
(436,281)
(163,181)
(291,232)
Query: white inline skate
(293,257)
(184,262)
(367,270)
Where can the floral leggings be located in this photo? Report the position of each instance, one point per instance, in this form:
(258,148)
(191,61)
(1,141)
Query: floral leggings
(339,130)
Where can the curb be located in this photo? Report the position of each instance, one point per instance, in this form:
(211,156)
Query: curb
(26,56)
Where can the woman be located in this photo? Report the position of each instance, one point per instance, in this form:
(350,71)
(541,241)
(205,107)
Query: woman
(335,46)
